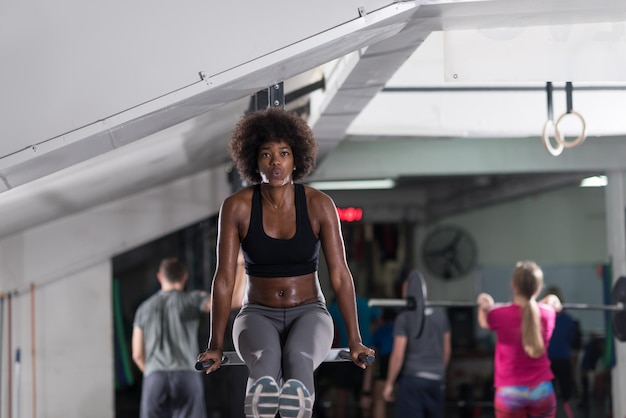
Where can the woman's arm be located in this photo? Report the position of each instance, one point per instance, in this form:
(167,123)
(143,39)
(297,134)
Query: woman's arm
(485,302)
(325,213)
(224,280)
(239,288)
(553,301)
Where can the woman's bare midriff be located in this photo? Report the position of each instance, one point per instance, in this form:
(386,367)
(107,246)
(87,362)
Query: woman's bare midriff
(283,292)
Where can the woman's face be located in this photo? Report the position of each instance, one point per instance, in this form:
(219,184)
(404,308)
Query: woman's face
(275,163)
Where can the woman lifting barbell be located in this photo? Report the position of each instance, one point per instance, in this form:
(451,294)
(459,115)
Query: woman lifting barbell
(522,374)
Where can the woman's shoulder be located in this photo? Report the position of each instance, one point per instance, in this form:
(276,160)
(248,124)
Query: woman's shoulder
(239,200)
(317,196)
(319,204)
(244,194)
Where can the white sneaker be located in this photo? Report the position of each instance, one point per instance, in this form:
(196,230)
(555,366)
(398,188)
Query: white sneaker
(295,401)
(262,399)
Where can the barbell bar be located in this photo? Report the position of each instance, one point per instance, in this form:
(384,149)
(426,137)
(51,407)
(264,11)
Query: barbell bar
(409,303)
(416,304)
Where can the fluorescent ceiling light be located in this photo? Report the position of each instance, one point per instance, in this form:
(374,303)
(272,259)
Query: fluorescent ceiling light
(354,184)
(595,181)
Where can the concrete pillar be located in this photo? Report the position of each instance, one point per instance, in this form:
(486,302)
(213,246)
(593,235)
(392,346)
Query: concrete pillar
(616,236)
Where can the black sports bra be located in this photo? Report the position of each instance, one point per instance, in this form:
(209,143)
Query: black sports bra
(271,257)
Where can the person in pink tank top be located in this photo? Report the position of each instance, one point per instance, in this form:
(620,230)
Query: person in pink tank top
(523,378)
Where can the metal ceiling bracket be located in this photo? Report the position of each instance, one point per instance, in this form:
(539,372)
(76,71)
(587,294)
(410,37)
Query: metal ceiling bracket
(273,96)
(277,95)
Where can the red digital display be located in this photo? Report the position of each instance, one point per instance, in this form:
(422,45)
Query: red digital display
(350,214)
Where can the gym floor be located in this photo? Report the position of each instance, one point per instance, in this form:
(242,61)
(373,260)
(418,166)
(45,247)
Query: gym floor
(329,405)
(127,407)
(597,404)
(595,409)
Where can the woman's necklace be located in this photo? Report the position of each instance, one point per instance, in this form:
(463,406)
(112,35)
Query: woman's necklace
(272,204)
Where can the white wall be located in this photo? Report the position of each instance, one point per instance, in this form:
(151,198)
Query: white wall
(566,227)
(74,345)
(68,260)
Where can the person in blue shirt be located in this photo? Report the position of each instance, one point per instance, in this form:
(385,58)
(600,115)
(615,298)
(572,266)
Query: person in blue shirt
(350,380)
(382,343)
(560,350)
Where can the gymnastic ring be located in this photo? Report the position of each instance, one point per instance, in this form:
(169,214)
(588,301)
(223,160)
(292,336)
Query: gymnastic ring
(545,138)
(570,144)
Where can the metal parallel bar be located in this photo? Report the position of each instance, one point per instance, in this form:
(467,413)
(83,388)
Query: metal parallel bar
(231,358)
(403,303)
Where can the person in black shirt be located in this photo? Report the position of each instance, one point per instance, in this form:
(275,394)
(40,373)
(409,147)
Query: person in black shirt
(284,330)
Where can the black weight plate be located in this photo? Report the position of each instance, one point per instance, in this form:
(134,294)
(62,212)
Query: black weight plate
(416,292)
(618,295)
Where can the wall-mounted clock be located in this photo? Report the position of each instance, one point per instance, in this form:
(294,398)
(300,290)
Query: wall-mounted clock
(449,252)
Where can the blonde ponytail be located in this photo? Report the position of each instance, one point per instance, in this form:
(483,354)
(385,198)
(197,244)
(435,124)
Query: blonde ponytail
(528,281)
(531,329)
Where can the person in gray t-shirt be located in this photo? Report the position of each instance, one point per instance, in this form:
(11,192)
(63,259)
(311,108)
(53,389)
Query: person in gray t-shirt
(419,365)
(165,343)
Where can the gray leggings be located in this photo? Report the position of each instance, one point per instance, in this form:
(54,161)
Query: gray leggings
(284,343)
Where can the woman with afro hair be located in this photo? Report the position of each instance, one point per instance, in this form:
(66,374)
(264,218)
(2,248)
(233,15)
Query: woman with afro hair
(283,331)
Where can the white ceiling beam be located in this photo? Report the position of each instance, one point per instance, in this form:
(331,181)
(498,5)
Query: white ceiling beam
(36,159)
